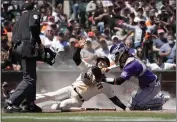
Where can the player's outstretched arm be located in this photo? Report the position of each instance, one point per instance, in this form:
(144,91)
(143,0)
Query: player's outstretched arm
(77,57)
(117,102)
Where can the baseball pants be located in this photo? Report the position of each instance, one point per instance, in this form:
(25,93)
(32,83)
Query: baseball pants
(27,88)
(148,97)
(66,96)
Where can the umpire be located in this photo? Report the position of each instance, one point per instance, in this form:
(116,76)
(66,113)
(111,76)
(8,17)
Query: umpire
(25,38)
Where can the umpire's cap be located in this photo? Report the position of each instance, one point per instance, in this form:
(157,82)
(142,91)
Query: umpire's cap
(104,58)
(27,6)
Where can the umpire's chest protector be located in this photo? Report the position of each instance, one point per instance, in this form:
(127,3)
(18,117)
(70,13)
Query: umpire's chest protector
(25,47)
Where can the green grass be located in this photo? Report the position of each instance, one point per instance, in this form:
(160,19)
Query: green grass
(88,116)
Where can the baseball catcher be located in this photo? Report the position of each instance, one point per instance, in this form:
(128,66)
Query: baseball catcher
(148,95)
(90,83)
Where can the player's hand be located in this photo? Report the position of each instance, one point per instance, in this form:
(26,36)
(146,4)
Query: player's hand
(82,43)
(105,70)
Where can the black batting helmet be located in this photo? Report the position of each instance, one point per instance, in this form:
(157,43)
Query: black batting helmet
(94,74)
(104,58)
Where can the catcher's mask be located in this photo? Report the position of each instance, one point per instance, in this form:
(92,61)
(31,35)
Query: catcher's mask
(94,74)
(118,52)
(47,56)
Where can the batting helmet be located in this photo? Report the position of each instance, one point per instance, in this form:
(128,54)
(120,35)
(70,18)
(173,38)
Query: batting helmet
(94,74)
(104,58)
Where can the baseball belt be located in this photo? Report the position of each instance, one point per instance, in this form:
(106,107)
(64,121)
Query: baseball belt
(80,96)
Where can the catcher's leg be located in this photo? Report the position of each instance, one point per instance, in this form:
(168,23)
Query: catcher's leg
(158,101)
(143,96)
(58,95)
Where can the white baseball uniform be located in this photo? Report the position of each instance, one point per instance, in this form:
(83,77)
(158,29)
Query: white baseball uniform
(81,90)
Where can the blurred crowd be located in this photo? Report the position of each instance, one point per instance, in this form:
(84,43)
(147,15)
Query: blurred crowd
(148,28)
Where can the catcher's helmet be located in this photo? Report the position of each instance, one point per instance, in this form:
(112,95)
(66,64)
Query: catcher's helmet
(117,51)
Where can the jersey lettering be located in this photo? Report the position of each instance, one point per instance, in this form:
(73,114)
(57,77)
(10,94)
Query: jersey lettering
(99,86)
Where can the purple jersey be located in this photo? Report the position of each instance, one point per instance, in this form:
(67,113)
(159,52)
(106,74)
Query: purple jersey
(136,68)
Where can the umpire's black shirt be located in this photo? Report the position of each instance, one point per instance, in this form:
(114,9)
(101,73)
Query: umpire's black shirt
(27,30)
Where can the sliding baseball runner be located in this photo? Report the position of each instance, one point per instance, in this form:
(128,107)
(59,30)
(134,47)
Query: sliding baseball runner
(87,85)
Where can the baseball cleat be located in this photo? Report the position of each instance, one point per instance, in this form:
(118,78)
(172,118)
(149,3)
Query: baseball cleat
(55,106)
(167,98)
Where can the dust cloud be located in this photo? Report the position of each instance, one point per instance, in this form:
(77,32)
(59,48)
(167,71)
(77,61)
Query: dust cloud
(54,80)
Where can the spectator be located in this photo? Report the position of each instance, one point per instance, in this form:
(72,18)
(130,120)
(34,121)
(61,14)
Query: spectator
(147,12)
(103,50)
(60,40)
(48,37)
(141,25)
(75,9)
(148,47)
(72,45)
(161,40)
(79,31)
(88,53)
(150,19)
(115,39)
(131,19)
(5,62)
(158,43)
(43,14)
(129,44)
(107,34)
(70,26)
(95,40)
(168,50)
(139,31)
(116,16)
(140,53)
(140,15)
